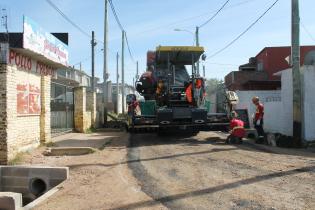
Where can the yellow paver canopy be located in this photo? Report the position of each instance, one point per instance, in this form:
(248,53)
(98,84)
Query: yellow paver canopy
(178,55)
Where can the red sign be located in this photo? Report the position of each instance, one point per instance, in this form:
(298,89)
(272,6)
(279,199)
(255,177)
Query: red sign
(28,64)
(28,99)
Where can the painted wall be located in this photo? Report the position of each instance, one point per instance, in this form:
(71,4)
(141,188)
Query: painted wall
(245,102)
(309,102)
(279,104)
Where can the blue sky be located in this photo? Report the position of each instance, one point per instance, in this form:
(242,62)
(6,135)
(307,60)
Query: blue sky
(150,23)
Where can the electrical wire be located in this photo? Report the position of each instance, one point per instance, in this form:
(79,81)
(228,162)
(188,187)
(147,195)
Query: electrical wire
(77,27)
(307,31)
(87,58)
(191,18)
(121,28)
(246,30)
(68,19)
(220,64)
(115,15)
(133,60)
(215,14)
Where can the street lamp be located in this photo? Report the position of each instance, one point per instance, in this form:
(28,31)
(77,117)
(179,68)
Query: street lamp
(184,30)
(196,40)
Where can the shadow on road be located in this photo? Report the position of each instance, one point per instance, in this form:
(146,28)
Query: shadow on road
(186,139)
(250,145)
(214,189)
(151,159)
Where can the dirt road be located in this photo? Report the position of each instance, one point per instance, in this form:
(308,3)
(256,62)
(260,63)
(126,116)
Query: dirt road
(203,173)
(97,181)
(179,172)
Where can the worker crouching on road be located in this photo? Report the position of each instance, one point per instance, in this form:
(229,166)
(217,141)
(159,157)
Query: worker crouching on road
(237,131)
(258,120)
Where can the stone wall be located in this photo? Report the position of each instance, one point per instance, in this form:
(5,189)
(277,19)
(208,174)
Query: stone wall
(45,121)
(84,109)
(91,106)
(3,115)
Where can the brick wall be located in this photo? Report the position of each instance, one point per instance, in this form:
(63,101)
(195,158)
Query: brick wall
(236,79)
(21,132)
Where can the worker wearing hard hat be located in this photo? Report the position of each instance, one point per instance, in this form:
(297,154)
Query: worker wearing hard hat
(258,119)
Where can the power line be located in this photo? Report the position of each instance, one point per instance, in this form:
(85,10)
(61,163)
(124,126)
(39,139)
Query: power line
(115,15)
(246,30)
(133,60)
(307,31)
(215,14)
(86,59)
(121,28)
(77,27)
(221,64)
(193,17)
(68,19)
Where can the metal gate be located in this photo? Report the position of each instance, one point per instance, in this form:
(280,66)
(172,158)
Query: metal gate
(62,108)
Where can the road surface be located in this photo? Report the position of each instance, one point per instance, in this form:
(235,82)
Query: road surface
(145,171)
(201,172)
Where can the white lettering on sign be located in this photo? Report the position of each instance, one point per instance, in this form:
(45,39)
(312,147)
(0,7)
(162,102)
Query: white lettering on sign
(38,40)
(28,64)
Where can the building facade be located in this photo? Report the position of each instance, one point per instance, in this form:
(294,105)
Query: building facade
(258,73)
(32,90)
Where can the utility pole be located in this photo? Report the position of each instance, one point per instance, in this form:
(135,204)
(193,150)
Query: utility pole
(4,18)
(137,72)
(295,57)
(93,44)
(105,68)
(123,71)
(197,44)
(117,82)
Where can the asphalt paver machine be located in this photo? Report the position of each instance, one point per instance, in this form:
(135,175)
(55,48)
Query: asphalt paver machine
(173,93)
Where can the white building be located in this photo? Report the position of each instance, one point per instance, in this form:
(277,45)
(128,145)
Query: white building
(279,104)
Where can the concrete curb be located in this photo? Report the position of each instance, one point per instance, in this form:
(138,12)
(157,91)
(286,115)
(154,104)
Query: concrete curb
(71,151)
(42,198)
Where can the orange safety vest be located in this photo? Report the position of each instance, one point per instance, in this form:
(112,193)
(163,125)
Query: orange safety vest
(188,92)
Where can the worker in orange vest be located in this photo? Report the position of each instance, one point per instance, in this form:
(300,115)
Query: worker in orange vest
(188,91)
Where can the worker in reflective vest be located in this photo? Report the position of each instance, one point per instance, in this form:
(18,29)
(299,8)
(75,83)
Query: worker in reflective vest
(188,90)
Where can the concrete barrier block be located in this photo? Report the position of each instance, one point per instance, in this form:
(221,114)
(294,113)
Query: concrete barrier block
(15,181)
(10,201)
(14,171)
